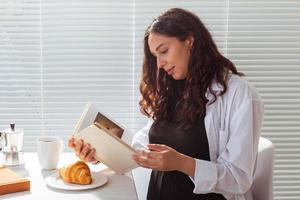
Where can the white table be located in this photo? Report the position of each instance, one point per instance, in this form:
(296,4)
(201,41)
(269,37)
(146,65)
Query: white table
(117,187)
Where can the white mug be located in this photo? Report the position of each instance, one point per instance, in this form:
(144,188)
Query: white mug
(49,149)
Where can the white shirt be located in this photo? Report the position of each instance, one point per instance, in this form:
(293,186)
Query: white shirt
(233,123)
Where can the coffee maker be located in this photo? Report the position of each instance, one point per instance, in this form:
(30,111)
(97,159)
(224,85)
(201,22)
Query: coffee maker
(12,146)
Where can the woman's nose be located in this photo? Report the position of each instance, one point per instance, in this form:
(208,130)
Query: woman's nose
(160,62)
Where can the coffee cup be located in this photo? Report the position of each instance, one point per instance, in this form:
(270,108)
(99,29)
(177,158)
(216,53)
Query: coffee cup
(49,149)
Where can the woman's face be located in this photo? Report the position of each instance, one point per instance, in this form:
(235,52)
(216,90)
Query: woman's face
(171,54)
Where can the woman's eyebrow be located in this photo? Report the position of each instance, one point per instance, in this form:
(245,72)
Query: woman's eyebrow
(160,45)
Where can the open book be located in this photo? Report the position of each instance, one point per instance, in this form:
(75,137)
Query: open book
(105,135)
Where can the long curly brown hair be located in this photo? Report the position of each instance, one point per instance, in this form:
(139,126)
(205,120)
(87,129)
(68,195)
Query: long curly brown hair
(161,93)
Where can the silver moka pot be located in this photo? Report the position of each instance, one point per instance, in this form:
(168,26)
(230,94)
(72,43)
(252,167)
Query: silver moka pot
(12,146)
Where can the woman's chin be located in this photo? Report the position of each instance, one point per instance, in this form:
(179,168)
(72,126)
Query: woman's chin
(177,77)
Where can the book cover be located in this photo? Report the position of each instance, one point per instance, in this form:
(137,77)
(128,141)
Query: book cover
(105,135)
(11,182)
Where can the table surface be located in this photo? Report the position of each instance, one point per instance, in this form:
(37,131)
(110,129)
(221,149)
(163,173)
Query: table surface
(118,186)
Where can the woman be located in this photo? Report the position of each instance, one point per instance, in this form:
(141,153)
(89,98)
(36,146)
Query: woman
(205,120)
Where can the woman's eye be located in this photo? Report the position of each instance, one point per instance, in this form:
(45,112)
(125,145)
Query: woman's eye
(165,51)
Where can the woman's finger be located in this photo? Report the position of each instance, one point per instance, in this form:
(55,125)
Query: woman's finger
(71,142)
(157,147)
(152,154)
(90,155)
(78,147)
(85,150)
(141,164)
(145,161)
(94,160)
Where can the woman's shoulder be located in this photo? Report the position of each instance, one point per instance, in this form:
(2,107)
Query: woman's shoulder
(237,81)
(238,85)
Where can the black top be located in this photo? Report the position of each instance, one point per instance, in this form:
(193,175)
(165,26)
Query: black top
(175,185)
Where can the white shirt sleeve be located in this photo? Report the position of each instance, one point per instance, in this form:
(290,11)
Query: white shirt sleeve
(141,139)
(232,173)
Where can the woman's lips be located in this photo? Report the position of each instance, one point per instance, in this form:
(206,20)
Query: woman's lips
(170,71)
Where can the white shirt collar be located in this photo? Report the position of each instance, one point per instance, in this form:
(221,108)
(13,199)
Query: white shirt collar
(216,88)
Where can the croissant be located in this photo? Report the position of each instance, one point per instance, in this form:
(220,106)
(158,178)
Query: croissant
(78,173)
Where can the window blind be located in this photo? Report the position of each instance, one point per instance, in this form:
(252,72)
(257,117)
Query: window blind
(264,43)
(58,55)
(86,52)
(20,89)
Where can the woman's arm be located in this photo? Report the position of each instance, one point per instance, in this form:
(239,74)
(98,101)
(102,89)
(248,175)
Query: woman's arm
(233,171)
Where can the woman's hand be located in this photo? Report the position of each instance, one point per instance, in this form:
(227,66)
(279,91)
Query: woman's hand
(83,150)
(164,158)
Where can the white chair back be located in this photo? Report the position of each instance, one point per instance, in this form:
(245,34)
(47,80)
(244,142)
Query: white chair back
(262,187)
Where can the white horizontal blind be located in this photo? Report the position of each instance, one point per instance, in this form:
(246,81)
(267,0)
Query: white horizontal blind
(56,56)
(87,56)
(212,13)
(20,91)
(264,42)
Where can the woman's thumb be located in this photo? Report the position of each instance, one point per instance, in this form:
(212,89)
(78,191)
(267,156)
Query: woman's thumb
(157,147)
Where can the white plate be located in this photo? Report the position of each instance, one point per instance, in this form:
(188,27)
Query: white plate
(55,181)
